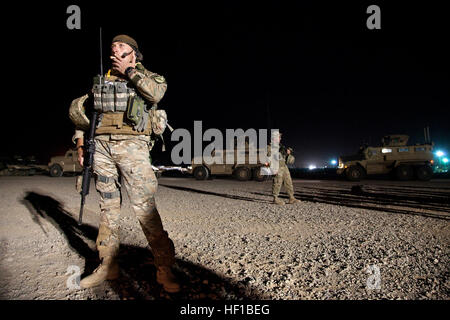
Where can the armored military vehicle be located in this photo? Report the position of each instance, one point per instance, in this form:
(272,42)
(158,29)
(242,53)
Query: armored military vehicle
(67,163)
(241,171)
(394,156)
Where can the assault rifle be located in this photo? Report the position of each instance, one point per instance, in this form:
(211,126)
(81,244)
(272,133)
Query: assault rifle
(89,145)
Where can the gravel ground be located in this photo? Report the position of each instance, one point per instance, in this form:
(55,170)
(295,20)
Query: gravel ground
(232,243)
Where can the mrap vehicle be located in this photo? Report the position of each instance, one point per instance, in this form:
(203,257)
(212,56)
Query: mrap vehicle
(394,156)
(67,163)
(242,171)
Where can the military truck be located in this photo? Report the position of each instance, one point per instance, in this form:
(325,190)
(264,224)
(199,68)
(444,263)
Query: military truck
(240,171)
(394,156)
(68,163)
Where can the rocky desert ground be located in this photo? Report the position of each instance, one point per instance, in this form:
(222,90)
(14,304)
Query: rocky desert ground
(365,240)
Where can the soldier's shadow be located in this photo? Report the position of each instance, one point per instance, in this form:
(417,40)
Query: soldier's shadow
(138,274)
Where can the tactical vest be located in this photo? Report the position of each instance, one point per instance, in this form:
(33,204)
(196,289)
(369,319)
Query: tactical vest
(121,109)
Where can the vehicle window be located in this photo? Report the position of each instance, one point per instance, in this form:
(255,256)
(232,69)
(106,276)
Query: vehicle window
(403,149)
(419,149)
(386,150)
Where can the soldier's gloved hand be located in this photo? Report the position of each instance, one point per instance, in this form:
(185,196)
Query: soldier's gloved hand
(80,152)
(142,125)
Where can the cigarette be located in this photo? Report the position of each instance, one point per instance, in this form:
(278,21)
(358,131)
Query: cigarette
(126,54)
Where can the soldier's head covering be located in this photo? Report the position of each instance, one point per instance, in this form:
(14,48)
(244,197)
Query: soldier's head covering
(131,42)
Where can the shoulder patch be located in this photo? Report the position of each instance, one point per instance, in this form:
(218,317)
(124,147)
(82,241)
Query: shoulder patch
(159,79)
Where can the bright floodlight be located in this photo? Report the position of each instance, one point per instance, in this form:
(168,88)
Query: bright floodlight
(439,153)
(312,167)
(445,160)
(333,162)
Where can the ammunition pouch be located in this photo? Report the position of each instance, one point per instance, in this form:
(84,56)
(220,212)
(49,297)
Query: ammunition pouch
(121,110)
(137,113)
(111,96)
(158,119)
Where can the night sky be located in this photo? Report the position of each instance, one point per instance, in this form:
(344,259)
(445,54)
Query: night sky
(311,69)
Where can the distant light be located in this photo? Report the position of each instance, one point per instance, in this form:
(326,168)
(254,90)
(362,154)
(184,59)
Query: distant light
(445,160)
(333,162)
(439,153)
(312,167)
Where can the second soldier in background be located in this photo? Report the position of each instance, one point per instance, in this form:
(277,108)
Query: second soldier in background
(283,176)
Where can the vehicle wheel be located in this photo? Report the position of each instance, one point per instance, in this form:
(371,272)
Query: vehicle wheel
(201,173)
(404,172)
(242,174)
(424,173)
(257,176)
(355,173)
(56,170)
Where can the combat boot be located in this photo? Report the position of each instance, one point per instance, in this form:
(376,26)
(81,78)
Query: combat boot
(292,200)
(107,270)
(278,201)
(166,278)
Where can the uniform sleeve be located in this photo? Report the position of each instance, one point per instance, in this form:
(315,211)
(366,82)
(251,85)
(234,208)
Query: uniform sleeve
(78,134)
(150,85)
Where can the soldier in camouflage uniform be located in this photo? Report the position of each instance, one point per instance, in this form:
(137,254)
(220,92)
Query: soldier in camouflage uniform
(283,175)
(122,149)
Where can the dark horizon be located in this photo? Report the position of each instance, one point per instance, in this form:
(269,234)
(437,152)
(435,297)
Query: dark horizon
(312,70)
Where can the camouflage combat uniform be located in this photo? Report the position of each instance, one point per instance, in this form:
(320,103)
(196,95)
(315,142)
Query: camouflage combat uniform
(122,151)
(283,177)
